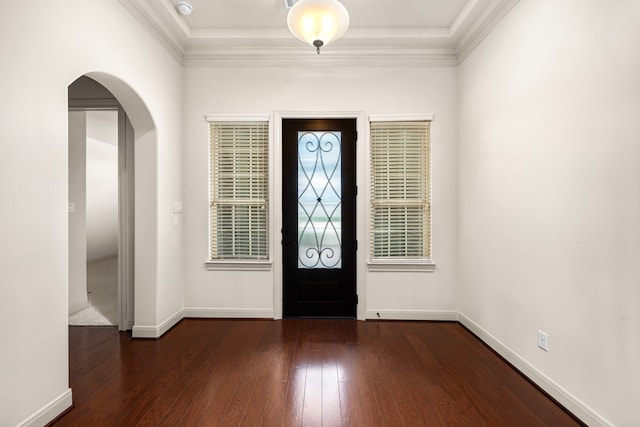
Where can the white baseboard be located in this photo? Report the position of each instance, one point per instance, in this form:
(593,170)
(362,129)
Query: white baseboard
(141,331)
(575,406)
(50,411)
(439,315)
(245,313)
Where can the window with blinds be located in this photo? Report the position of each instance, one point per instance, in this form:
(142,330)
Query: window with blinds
(239,187)
(400,190)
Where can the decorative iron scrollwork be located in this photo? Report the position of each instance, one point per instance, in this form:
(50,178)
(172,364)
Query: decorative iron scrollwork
(319,199)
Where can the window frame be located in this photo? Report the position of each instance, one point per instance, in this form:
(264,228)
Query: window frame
(398,264)
(244,264)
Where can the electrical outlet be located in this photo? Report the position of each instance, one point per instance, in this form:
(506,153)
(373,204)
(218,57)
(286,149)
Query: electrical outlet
(543,340)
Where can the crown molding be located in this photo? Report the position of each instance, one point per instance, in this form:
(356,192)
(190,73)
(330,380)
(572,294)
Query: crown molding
(485,26)
(407,47)
(306,57)
(154,27)
(463,16)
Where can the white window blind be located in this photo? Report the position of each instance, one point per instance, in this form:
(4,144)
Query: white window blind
(400,190)
(239,187)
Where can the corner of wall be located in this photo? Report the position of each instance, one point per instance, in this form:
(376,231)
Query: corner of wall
(557,392)
(50,411)
(143,331)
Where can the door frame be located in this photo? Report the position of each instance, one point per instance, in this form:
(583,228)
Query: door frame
(276,191)
(126,221)
(126,215)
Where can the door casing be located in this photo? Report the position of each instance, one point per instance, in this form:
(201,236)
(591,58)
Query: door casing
(275,190)
(126,215)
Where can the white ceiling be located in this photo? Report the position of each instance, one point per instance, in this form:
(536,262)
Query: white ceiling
(381,32)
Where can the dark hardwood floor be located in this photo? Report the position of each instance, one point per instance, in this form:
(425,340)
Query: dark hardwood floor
(299,373)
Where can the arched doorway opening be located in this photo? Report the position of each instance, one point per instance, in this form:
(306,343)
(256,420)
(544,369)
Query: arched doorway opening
(102,226)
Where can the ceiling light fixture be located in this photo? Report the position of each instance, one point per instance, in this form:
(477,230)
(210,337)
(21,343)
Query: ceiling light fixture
(184,8)
(318,22)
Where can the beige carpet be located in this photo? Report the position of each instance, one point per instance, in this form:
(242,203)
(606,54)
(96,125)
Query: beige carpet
(102,287)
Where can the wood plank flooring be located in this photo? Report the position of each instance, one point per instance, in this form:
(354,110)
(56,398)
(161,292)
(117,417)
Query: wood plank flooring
(212,372)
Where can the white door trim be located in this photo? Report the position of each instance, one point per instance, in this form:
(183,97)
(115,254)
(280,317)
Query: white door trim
(126,218)
(276,201)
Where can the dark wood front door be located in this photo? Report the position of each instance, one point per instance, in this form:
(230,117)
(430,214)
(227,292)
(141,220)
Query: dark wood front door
(319,217)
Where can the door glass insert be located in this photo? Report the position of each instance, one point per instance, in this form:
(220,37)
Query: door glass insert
(319,199)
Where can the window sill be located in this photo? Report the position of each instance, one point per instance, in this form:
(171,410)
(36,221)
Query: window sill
(239,265)
(427,266)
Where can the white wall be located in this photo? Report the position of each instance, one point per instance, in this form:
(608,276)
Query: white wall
(77,219)
(46,46)
(102,184)
(549,236)
(367,90)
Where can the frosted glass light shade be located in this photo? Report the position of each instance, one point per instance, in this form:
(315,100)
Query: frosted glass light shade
(318,22)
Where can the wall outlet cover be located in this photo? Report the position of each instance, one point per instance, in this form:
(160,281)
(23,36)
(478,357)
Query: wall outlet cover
(543,340)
